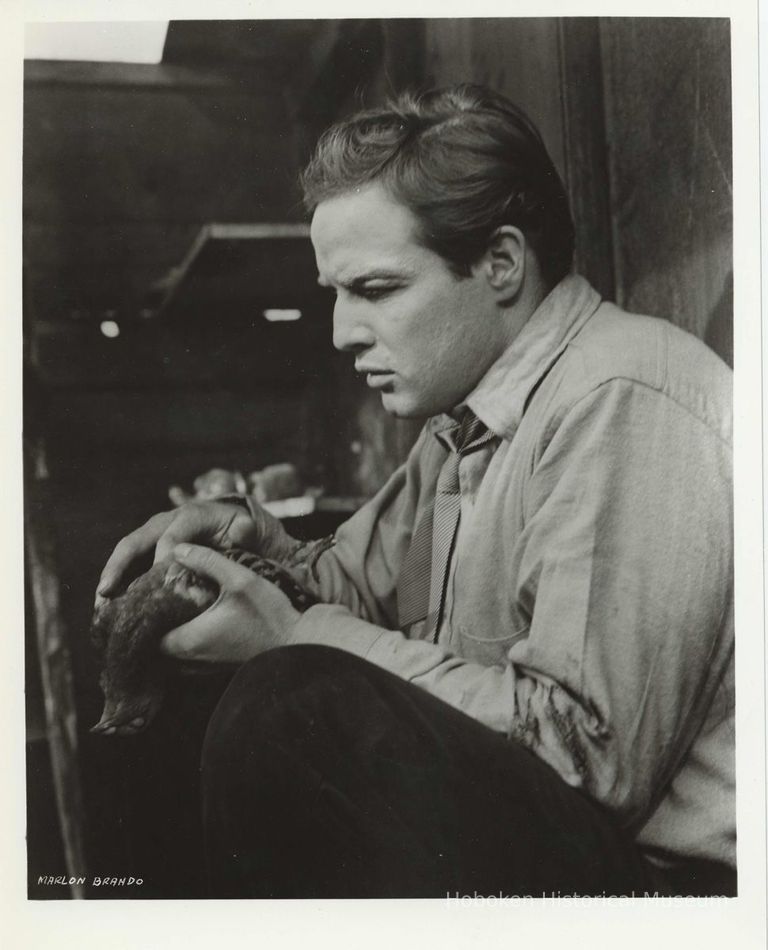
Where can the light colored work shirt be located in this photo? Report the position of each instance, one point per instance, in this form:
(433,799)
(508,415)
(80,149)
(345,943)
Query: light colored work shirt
(588,610)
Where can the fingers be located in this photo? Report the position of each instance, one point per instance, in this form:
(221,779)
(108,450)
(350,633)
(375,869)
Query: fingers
(132,546)
(203,642)
(227,574)
(187,642)
(208,522)
(229,631)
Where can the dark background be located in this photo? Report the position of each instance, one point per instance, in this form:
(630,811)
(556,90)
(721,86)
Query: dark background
(123,167)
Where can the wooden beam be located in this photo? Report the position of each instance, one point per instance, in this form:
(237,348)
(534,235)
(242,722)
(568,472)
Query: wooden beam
(55,668)
(585,148)
(62,73)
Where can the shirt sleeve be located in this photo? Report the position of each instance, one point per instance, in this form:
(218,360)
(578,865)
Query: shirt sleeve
(626,575)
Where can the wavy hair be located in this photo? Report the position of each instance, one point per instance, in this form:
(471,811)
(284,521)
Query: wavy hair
(465,161)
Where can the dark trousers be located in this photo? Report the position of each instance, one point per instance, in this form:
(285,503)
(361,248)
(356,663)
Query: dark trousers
(325,776)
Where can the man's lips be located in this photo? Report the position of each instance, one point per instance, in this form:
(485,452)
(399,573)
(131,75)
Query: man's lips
(375,378)
(373,370)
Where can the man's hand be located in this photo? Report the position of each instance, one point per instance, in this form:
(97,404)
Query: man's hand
(220,524)
(250,615)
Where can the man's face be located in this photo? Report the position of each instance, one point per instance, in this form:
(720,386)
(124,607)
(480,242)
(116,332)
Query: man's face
(422,336)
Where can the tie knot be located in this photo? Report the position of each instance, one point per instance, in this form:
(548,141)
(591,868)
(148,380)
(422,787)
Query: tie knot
(469,431)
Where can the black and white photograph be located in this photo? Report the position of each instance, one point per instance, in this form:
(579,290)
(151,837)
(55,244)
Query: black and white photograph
(378,462)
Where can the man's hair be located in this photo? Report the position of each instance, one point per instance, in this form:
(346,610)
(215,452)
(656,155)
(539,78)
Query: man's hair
(465,161)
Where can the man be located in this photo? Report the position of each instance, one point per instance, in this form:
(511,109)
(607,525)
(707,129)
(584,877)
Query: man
(520,679)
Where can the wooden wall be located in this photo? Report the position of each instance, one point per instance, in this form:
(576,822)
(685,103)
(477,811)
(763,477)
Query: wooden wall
(668,117)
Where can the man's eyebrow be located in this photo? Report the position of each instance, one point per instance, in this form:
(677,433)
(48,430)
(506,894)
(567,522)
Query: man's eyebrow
(360,280)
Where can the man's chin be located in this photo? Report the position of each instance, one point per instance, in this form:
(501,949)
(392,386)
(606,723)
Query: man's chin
(399,406)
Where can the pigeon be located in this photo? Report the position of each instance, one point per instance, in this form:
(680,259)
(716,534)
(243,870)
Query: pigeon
(127,629)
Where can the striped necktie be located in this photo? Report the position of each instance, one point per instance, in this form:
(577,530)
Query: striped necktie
(423,579)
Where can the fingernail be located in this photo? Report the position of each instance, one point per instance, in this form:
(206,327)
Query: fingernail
(182,550)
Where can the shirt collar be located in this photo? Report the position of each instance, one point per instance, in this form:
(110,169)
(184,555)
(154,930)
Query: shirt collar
(499,398)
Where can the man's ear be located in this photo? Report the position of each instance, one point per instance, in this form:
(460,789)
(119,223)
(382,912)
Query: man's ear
(504,262)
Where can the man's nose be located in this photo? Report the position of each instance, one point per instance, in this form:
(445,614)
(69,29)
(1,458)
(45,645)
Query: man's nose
(350,333)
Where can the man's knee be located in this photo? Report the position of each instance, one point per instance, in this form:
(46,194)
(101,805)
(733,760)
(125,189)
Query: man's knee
(269,678)
(285,690)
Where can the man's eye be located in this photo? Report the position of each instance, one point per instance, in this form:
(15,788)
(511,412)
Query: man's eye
(373,293)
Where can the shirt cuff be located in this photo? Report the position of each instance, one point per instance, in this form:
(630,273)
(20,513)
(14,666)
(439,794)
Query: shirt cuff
(333,625)
(418,661)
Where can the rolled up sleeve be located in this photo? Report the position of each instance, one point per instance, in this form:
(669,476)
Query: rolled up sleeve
(627,575)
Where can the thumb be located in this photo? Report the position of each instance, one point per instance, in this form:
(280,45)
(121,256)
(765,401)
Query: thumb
(211,564)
